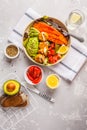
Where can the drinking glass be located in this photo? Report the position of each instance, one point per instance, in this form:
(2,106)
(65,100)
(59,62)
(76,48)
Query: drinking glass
(75,19)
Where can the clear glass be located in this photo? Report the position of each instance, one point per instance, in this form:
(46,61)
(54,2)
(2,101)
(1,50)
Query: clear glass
(75,19)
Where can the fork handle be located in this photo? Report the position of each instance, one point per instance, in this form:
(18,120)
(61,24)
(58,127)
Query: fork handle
(81,39)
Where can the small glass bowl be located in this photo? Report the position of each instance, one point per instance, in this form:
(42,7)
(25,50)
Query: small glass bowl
(75,19)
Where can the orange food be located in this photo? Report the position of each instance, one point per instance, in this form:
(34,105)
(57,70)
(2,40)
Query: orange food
(43,44)
(43,36)
(53,34)
(52,81)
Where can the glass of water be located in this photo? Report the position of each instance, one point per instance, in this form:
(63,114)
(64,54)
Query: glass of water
(75,19)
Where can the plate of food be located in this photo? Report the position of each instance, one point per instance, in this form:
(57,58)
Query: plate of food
(46,41)
(16,102)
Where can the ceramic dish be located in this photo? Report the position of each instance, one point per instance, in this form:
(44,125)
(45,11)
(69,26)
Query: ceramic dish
(53,81)
(46,41)
(33,74)
(11,51)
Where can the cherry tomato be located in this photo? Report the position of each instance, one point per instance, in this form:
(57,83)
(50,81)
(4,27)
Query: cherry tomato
(52,45)
(49,53)
(54,58)
(52,52)
(50,59)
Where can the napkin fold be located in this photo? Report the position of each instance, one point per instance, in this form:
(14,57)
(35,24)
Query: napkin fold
(71,64)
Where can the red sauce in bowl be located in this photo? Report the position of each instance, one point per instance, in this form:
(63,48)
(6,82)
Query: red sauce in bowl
(34,74)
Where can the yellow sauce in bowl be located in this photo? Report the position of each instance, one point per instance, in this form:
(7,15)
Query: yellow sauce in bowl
(52,81)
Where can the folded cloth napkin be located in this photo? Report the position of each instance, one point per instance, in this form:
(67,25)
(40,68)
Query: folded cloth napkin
(71,64)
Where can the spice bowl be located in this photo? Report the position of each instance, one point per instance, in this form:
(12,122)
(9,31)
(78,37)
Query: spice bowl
(11,51)
(33,74)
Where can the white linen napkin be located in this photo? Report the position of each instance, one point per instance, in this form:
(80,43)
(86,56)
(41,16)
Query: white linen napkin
(72,63)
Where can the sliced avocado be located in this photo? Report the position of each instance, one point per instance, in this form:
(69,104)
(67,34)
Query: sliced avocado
(32,46)
(44,18)
(33,32)
(57,46)
(11,87)
(25,42)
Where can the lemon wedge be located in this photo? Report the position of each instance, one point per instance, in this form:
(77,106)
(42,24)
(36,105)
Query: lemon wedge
(52,81)
(63,49)
(75,18)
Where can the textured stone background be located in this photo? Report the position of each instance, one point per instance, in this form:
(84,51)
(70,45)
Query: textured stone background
(69,112)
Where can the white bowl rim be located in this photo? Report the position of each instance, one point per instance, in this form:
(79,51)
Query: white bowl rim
(13,57)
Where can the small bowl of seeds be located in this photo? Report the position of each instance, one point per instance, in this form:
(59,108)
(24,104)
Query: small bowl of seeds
(11,51)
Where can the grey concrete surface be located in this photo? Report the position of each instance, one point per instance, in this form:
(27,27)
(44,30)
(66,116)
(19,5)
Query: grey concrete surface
(69,112)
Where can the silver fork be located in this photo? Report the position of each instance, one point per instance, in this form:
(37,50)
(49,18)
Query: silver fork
(47,97)
(44,95)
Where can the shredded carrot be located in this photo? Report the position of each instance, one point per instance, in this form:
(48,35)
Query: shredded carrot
(53,34)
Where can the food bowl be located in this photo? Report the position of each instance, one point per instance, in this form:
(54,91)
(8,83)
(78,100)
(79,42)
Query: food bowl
(33,74)
(46,41)
(11,51)
(52,81)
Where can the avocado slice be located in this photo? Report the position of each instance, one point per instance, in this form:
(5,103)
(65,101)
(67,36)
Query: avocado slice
(33,32)
(32,46)
(11,87)
(57,46)
(25,42)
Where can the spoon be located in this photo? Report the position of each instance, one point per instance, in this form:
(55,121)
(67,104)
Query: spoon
(81,39)
(65,33)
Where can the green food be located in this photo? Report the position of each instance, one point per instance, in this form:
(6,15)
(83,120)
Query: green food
(25,42)
(57,46)
(44,18)
(11,87)
(33,32)
(32,46)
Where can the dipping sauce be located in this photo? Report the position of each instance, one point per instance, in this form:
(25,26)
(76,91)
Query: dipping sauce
(52,81)
(34,74)
(12,50)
